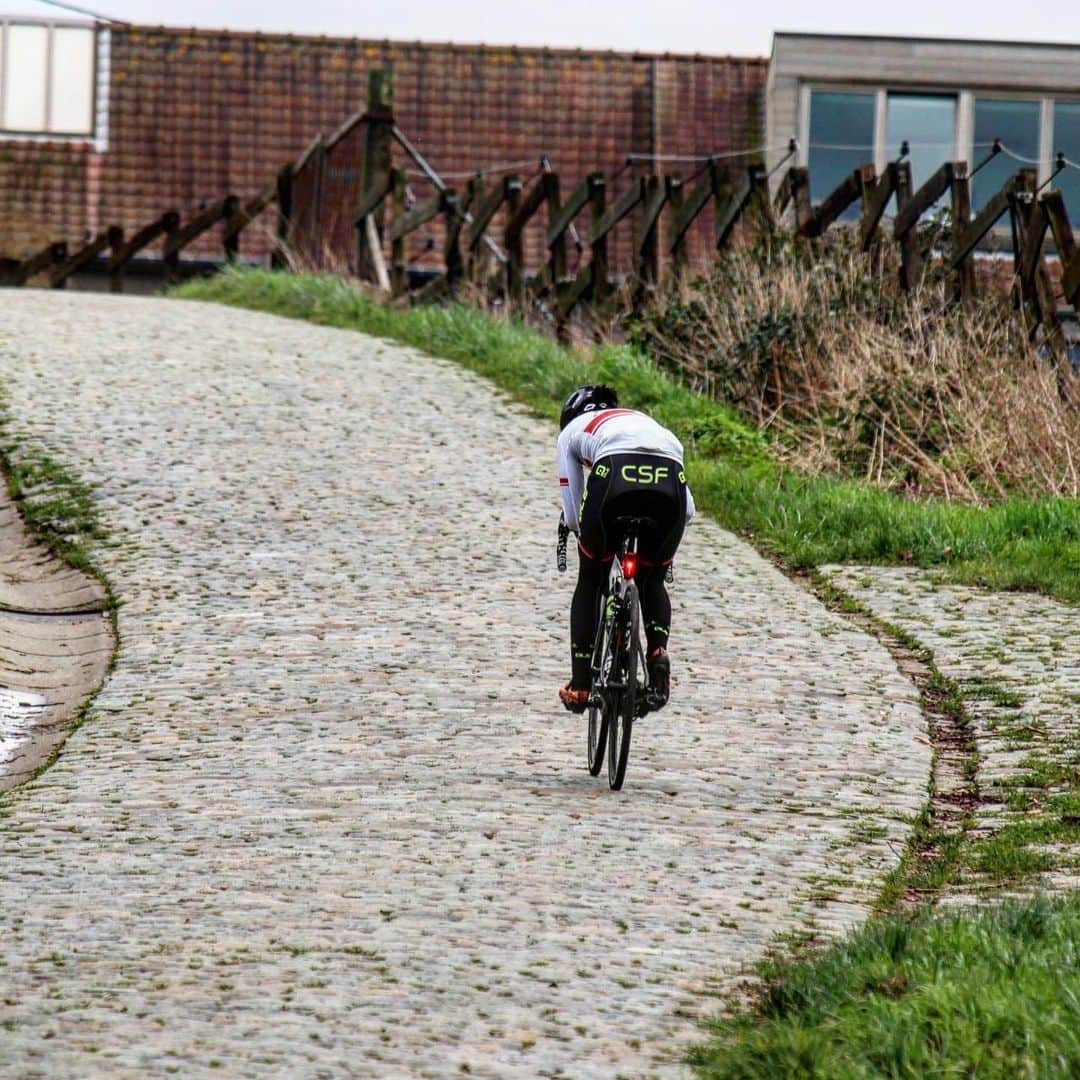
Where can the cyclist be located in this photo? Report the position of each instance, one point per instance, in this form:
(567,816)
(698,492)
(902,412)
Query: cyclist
(636,470)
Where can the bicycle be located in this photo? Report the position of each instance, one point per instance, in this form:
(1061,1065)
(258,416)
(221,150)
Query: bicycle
(619,691)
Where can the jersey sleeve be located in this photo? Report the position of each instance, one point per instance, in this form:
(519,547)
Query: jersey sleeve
(691,509)
(571,480)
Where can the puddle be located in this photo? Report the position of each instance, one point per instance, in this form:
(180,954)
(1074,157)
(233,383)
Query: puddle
(20,711)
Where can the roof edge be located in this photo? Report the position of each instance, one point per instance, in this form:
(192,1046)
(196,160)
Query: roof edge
(919,40)
(453,46)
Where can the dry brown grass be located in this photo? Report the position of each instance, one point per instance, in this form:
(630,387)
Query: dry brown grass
(917,394)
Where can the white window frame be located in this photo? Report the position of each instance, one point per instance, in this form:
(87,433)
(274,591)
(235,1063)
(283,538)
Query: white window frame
(51,25)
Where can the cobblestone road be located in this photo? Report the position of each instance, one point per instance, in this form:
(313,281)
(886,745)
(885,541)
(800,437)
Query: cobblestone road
(326,818)
(1016,660)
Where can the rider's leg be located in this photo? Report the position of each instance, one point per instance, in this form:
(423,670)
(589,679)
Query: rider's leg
(592,573)
(655,608)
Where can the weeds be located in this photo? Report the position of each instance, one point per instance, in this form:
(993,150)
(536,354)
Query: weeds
(917,394)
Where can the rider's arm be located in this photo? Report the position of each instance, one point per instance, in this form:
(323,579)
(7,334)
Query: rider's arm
(571,480)
(691,509)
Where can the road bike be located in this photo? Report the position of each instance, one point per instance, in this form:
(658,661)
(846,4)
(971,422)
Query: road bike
(618,694)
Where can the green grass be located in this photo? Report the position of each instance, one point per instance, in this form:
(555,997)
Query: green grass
(57,506)
(805,520)
(990,995)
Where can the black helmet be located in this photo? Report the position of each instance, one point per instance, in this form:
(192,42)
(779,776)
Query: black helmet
(587,399)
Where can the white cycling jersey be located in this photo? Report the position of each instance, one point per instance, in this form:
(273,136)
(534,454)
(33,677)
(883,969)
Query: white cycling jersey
(595,435)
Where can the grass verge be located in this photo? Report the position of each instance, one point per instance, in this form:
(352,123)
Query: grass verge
(807,521)
(993,994)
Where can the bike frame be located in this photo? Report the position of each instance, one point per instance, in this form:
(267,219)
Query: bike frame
(612,607)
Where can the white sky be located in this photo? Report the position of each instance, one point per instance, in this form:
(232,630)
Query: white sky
(708,26)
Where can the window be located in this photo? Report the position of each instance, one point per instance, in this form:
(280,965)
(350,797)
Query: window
(1016,124)
(1067,140)
(928,123)
(47,78)
(841,139)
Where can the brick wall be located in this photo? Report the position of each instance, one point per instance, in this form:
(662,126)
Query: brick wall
(193,114)
(43,194)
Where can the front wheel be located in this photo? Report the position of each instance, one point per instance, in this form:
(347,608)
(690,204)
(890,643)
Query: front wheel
(624,702)
(598,728)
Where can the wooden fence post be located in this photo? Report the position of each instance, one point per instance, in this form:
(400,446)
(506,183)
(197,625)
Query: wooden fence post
(375,168)
(675,199)
(1061,228)
(170,227)
(799,186)
(58,255)
(232,217)
(557,248)
(116,245)
(399,277)
(455,218)
(910,260)
(654,195)
(961,219)
(280,258)
(598,247)
(515,247)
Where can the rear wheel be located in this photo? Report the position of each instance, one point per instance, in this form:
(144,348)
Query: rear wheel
(624,702)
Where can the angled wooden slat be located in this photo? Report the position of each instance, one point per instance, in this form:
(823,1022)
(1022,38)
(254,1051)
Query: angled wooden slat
(836,202)
(418,216)
(616,212)
(250,211)
(921,200)
(199,224)
(531,201)
(578,290)
(488,208)
(735,206)
(707,186)
(1061,228)
(75,262)
(983,223)
(1036,227)
(48,256)
(654,204)
(783,195)
(146,235)
(370,200)
(569,210)
(875,196)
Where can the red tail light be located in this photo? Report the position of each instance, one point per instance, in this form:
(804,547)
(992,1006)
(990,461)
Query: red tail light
(629,566)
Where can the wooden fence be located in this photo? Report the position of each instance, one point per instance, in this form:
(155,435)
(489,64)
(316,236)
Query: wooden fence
(348,198)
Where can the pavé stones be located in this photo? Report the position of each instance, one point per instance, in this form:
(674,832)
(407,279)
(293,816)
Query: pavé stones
(326,817)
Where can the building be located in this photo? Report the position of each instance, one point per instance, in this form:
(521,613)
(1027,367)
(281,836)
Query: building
(853,100)
(114,124)
(105,124)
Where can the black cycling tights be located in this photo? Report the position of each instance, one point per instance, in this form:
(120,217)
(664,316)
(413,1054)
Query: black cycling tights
(592,578)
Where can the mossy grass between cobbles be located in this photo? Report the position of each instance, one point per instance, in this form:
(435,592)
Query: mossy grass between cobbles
(990,994)
(56,505)
(805,520)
